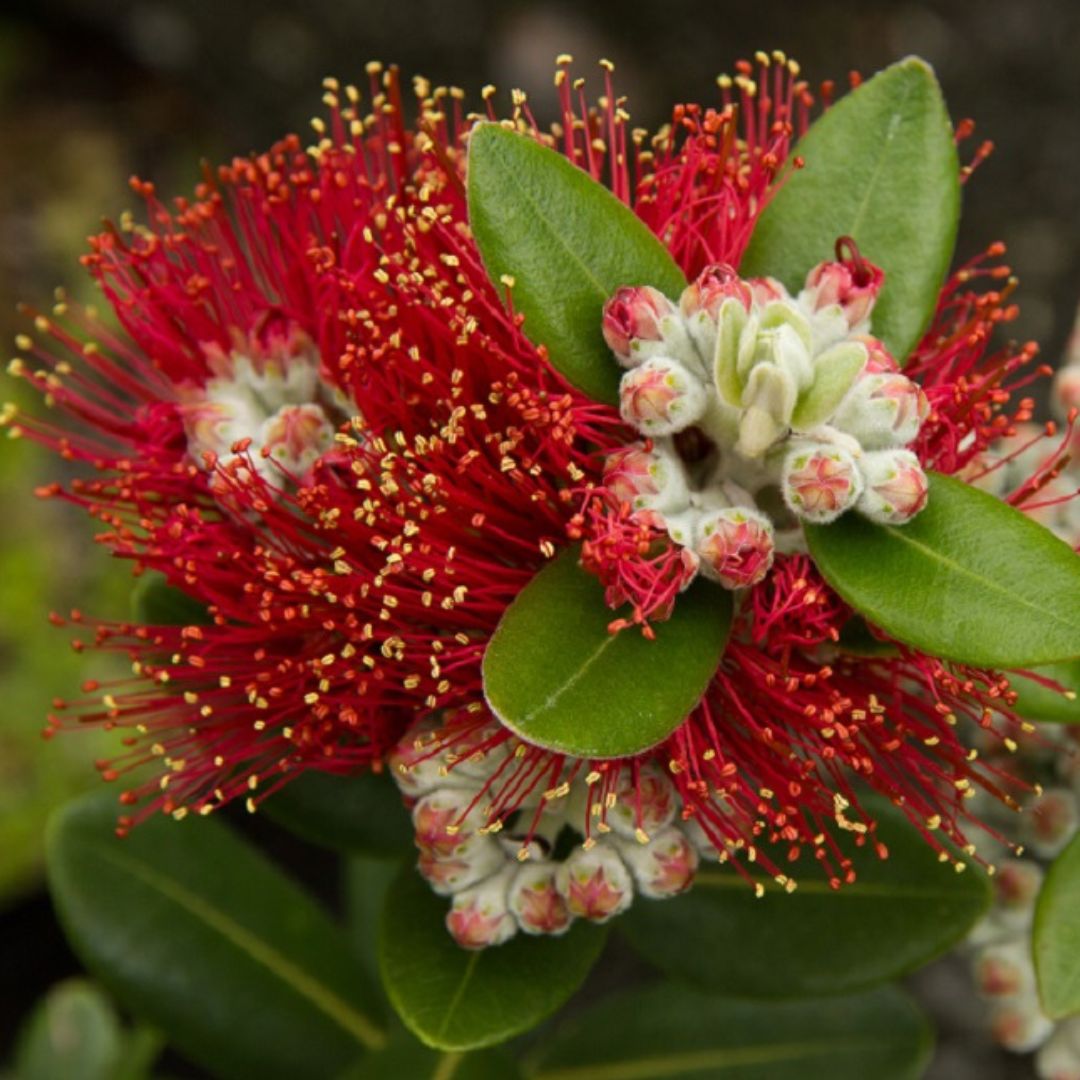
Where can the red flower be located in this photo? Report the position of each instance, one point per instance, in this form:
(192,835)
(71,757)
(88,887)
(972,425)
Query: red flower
(321,422)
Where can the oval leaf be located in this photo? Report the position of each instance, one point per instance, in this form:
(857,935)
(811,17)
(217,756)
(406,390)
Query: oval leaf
(661,1032)
(880,166)
(899,914)
(1037,702)
(556,677)
(362,813)
(453,999)
(970,579)
(1056,942)
(567,242)
(407,1059)
(195,931)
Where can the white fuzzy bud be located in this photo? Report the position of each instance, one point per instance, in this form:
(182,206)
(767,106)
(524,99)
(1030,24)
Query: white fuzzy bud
(661,397)
(595,883)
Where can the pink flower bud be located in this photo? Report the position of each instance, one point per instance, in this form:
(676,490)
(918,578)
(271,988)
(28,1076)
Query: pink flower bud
(642,807)
(736,546)
(1019,1025)
(1004,970)
(1059,1058)
(444,823)
(878,358)
(820,482)
(480,916)
(1051,821)
(883,410)
(1016,885)
(536,902)
(711,288)
(646,479)
(595,883)
(852,285)
(663,867)
(661,397)
(296,436)
(764,290)
(632,319)
(894,486)
(473,861)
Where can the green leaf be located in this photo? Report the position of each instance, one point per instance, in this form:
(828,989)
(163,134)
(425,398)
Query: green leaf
(453,999)
(407,1059)
(556,677)
(669,1032)
(1038,702)
(567,242)
(880,166)
(156,603)
(362,813)
(74,1033)
(1056,940)
(367,882)
(898,915)
(970,579)
(834,372)
(196,932)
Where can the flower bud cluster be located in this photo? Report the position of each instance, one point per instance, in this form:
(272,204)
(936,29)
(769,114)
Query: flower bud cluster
(786,393)
(538,872)
(270,397)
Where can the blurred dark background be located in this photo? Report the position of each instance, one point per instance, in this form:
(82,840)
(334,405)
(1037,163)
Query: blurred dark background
(92,91)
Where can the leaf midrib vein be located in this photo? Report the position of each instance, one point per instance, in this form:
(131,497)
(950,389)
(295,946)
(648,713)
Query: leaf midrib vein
(324,999)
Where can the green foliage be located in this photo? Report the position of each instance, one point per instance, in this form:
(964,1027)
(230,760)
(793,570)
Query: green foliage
(196,932)
(1037,702)
(554,675)
(970,579)
(406,1059)
(899,914)
(881,167)
(156,603)
(453,999)
(362,813)
(567,242)
(1056,941)
(667,1032)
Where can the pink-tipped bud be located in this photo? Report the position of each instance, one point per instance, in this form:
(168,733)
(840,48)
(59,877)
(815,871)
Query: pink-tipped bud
(661,397)
(444,823)
(765,290)
(1019,1025)
(895,488)
(643,806)
(711,288)
(883,410)
(632,322)
(1004,970)
(480,916)
(536,902)
(851,284)
(1016,885)
(1059,1058)
(663,867)
(820,482)
(473,861)
(647,479)
(595,883)
(736,546)
(1051,821)
(878,358)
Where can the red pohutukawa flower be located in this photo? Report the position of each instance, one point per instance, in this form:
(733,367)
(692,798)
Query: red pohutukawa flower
(323,421)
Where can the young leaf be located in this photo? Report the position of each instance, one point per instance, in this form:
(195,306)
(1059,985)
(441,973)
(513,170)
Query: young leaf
(669,1032)
(567,242)
(454,999)
(899,914)
(198,933)
(362,813)
(554,675)
(1056,942)
(881,167)
(970,579)
(1038,702)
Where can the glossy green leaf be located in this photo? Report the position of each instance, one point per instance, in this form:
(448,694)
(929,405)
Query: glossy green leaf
(670,1032)
(567,242)
(899,914)
(454,999)
(156,603)
(196,932)
(880,166)
(970,579)
(74,1034)
(554,675)
(1056,941)
(362,813)
(1038,702)
(407,1059)
(367,882)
